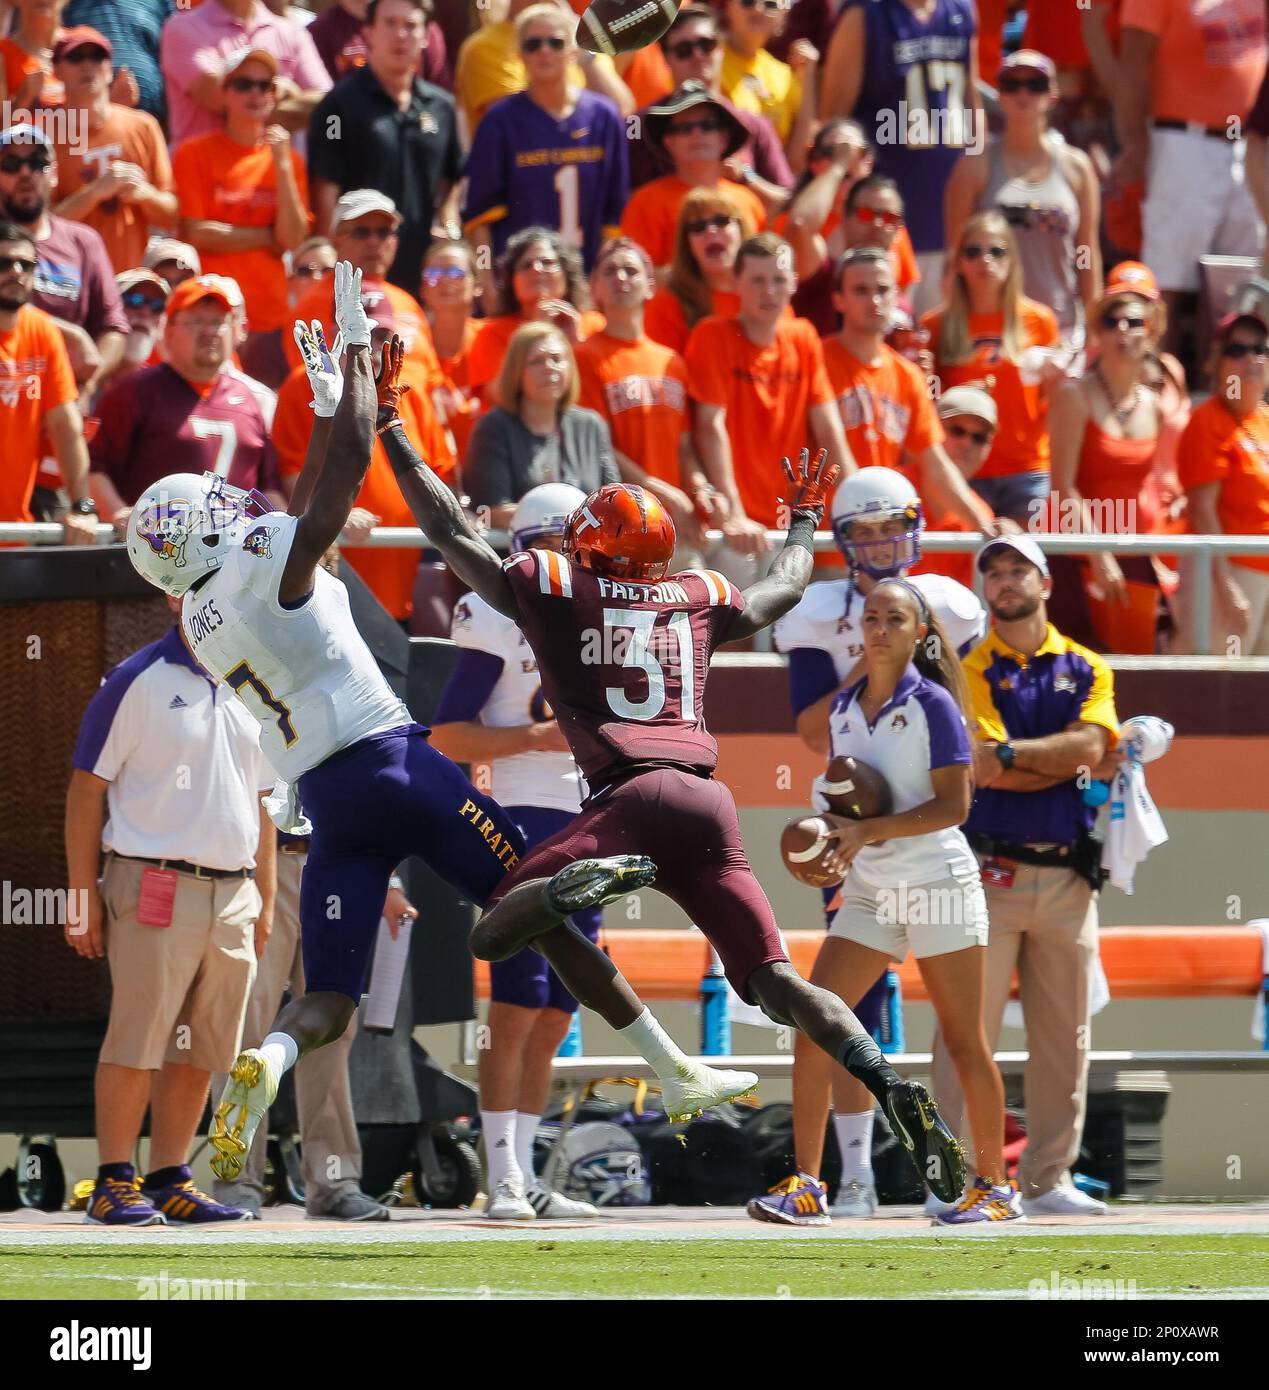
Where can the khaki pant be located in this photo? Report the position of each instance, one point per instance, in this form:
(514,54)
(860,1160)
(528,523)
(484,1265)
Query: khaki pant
(331,1152)
(180,991)
(1045,926)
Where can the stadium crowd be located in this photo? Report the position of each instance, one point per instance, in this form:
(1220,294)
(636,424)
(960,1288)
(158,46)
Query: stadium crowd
(986,267)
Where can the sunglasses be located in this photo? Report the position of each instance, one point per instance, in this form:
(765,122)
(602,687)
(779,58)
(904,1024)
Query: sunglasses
(874,217)
(437,274)
(1258,352)
(685,48)
(555,44)
(707,125)
(709,224)
(251,84)
(770,6)
(138,299)
(15,163)
(312,271)
(21,264)
(372,233)
(85,55)
(993,253)
(980,437)
(1123,323)
(1038,85)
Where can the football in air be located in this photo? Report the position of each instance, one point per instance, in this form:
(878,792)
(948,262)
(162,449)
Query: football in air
(623,26)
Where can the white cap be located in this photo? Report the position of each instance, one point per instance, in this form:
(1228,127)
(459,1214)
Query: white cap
(361,201)
(1028,548)
(968,400)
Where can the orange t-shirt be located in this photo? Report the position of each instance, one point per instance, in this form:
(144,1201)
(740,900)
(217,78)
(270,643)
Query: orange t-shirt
(35,377)
(648,74)
(1217,448)
(388,305)
(886,410)
(389,574)
(766,392)
(18,66)
(652,213)
(640,388)
(222,181)
(1022,441)
(489,347)
(1211,57)
(462,408)
(664,323)
(134,136)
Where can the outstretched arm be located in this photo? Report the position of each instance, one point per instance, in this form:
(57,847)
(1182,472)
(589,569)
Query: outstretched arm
(434,505)
(791,570)
(327,383)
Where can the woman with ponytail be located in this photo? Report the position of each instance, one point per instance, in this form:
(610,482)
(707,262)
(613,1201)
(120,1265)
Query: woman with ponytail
(911,883)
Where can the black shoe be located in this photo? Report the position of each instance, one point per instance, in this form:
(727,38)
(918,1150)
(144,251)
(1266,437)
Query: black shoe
(593,882)
(933,1146)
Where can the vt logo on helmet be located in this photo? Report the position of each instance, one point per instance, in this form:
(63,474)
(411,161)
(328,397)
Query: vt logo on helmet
(183,526)
(877,522)
(622,531)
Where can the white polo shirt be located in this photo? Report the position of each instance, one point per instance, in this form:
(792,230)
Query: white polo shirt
(918,729)
(182,757)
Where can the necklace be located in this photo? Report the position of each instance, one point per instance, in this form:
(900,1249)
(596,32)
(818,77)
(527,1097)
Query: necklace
(1122,413)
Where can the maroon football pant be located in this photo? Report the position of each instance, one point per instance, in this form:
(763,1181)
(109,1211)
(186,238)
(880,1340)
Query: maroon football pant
(687,826)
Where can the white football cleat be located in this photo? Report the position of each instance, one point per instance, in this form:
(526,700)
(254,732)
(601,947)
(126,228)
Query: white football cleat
(555,1206)
(1064,1200)
(507,1202)
(698,1088)
(252,1087)
(855,1199)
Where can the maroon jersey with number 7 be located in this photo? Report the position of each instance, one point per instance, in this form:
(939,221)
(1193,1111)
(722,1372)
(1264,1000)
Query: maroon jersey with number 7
(624,664)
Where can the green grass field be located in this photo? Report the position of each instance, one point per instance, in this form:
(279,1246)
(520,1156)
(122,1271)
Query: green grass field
(936,1267)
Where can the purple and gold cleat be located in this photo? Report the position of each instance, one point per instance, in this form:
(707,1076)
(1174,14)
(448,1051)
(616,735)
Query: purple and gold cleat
(797,1201)
(984,1204)
(182,1203)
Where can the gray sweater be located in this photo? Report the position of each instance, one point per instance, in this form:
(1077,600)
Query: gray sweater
(505,459)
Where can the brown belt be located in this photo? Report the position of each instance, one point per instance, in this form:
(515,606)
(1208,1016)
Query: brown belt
(183,866)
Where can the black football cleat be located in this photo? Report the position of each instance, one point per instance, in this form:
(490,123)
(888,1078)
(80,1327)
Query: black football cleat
(593,882)
(920,1129)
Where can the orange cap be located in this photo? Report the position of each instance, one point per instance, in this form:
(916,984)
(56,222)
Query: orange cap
(1131,277)
(191,292)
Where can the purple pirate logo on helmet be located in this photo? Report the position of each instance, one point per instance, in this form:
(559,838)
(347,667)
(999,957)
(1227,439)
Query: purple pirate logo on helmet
(164,526)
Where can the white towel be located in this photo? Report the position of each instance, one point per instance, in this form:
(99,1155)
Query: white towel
(284,811)
(1135,827)
(1258,1009)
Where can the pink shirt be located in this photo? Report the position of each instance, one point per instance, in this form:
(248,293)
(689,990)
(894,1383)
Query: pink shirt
(198,41)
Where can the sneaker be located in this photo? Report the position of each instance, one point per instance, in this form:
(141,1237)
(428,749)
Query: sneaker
(920,1129)
(1064,1200)
(855,1199)
(797,1201)
(555,1206)
(934,1205)
(181,1202)
(984,1203)
(238,1194)
(698,1088)
(118,1202)
(507,1202)
(250,1090)
(353,1205)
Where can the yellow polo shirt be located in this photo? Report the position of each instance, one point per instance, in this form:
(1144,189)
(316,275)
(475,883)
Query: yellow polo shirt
(764,85)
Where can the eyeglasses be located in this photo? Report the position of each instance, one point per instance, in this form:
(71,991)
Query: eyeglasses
(1123,323)
(85,55)
(38,163)
(1258,352)
(436,274)
(372,233)
(981,438)
(709,224)
(876,217)
(250,84)
(138,299)
(21,264)
(554,43)
(683,49)
(312,271)
(707,125)
(1038,85)
(993,253)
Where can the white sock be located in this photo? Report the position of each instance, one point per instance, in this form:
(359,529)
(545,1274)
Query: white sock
(655,1046)
(499,1127)
(526,1129)
(854,1139)
(281,1050)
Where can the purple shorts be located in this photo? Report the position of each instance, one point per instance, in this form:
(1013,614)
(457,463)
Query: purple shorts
(525,978)
(687,825)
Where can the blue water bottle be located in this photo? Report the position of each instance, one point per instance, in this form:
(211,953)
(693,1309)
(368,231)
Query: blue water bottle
(715,1021)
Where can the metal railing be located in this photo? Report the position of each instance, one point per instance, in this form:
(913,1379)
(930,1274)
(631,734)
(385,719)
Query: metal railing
(1202,549)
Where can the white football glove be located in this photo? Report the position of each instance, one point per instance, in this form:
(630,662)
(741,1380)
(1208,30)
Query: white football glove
(350,313)
(322,365)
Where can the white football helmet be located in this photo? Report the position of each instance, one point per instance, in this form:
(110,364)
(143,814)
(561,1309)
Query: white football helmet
(878,494)
(183,526)
(543,511)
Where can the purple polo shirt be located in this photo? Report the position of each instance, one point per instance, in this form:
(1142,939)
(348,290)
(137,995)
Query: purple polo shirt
(195,42)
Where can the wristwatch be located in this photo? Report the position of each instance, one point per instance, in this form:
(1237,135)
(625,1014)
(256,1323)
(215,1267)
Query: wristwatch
(1004,751)
(84,507)
(747,174)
